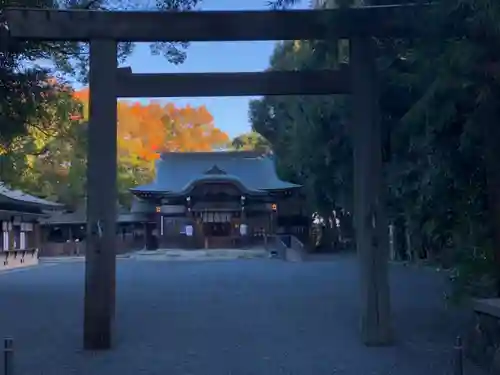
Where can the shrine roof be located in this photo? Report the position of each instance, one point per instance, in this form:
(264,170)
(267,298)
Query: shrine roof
(79,216)
(178,172)
(18,197)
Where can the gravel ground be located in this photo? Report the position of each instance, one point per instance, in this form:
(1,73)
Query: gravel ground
(240,317)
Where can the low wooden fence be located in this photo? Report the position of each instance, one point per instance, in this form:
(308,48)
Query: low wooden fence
(58,249)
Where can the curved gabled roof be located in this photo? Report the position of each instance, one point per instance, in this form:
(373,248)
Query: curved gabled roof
(17,196)
(177,173)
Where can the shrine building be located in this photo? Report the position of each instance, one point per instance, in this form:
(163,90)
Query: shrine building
(20,214)
(217,200)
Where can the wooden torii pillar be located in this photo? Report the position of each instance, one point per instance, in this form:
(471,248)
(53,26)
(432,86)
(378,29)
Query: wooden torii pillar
(357,24)
(370,218)
(100,262)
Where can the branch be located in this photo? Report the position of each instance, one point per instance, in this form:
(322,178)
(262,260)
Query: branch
(282,4)
(90,4)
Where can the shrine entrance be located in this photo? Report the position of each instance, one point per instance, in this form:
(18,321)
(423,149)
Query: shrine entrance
(219,209)
(217,228)
(107,83)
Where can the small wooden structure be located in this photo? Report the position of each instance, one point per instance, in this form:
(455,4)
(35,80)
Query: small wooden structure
(65,232)
(216,193)
(104,29)
(20,214)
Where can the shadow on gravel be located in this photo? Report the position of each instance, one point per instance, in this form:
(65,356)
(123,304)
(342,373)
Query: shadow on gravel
(258,317)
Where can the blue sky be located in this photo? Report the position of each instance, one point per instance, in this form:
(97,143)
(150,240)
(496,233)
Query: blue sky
(230,113)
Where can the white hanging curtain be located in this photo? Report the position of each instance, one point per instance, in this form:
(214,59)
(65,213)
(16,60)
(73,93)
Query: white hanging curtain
(6,240)
(216,217)
(22,240)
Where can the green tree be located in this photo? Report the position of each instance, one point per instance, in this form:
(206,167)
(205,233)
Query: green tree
(251,141)
(22,83)
(309,135)
(50,160)
(456,119)
(439,104)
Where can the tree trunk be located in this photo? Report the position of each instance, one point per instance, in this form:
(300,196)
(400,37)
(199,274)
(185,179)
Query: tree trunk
(492,160)
(346,229)
(335,232)
(408,243)
(369,215)
(399,239)
(392,242)
(416,242)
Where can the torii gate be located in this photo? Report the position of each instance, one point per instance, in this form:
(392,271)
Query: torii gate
(104,29)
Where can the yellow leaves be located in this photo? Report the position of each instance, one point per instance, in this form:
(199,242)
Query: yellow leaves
(39,138)
(297,45)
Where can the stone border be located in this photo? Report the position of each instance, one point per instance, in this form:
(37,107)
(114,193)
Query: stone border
(490,306)
(482,345)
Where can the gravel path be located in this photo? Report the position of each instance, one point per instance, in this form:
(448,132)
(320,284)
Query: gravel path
(241,317)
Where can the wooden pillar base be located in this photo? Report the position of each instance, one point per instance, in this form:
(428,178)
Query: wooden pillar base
(97,332)
(99,302)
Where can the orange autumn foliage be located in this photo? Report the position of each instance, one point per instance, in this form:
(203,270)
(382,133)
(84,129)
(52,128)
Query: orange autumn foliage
(82,95)
(144,130)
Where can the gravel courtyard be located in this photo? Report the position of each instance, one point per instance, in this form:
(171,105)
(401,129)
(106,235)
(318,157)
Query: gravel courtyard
(236,317)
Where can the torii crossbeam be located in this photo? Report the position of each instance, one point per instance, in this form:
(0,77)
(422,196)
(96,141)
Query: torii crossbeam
(213,26)
(154,85)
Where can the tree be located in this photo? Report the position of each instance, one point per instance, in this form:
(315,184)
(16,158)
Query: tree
(40,162)
(145,130)
(439,108)
(251,141)
(190,129)
(309,136)
(457,115)
(51,161)
(22,83)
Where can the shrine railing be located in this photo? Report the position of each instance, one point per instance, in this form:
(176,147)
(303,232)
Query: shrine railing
(275,246)
(286,247)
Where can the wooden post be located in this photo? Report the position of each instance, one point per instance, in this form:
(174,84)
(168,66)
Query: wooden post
(12,235)
(38,236)
(243,221)
(392,242)
(161,230)
(102,197)
(370,218)
(408,244)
